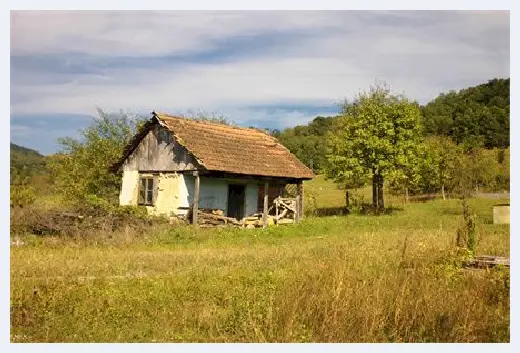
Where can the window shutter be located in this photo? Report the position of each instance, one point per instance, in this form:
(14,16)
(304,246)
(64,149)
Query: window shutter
(142,191)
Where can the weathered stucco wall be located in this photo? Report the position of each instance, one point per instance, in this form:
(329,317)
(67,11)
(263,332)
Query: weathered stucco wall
(175,193)
(128,195)
(171,190)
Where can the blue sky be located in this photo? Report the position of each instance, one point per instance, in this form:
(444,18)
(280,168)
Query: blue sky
(267,69)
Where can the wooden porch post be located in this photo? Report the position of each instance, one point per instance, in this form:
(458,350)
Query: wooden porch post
(299,200)
(195,209)
(266,201)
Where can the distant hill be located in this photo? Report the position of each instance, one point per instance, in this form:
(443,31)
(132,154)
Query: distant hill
(26,160)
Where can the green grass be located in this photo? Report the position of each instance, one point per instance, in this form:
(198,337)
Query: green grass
(392,278)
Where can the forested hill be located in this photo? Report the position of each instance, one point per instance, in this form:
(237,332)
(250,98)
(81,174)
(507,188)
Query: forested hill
(26,158)
(476,115)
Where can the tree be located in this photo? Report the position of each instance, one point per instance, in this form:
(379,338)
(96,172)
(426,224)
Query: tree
(82,167)
(437,164)
(376,138)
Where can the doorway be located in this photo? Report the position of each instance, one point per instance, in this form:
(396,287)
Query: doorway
(236,200)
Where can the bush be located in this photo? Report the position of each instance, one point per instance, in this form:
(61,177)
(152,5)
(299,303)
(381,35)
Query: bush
(22,195)
(93,214)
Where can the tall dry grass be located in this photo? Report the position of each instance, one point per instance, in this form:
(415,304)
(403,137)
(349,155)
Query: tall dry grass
(392,278)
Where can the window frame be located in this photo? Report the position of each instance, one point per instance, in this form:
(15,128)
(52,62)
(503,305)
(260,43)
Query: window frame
(144,200)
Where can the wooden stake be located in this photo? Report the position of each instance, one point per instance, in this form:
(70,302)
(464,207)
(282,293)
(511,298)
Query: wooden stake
(266,201)
(196,197)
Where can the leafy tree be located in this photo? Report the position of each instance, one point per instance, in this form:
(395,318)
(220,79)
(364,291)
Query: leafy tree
(376,138)
(437,164)
(82,167)
(475,168)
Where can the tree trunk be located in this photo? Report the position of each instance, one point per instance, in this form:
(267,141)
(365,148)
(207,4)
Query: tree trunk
(347,199)
(443,193)
(375,198)
(381,200)
(406,195)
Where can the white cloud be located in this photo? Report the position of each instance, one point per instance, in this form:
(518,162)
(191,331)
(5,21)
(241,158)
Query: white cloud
(335,55)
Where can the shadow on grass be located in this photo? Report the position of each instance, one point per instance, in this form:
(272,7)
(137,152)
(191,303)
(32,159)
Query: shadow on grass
(366,210)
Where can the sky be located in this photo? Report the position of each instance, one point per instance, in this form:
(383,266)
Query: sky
(271,69)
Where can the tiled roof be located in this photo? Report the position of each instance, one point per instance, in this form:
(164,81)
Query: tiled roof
(231,149)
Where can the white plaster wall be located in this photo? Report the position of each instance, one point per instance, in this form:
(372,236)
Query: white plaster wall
(251,198)
(214,193)
(128,195)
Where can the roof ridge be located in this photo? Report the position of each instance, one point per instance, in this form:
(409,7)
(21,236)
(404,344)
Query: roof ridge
(207,122)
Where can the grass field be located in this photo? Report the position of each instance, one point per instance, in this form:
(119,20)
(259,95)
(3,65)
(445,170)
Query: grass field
(392,278)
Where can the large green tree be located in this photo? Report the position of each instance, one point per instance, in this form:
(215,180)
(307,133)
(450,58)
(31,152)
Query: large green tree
(375,138)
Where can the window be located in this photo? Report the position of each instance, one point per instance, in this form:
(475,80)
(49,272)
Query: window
(146,191)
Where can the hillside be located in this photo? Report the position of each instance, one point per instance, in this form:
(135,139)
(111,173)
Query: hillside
(23,158)
(477,114)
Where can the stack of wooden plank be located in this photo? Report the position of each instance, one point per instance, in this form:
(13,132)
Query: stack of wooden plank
(256,220)
(485,261)
(207,217)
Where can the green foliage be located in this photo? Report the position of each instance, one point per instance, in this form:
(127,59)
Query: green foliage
(308,142)
(22,194)
(467,234)
(82,167)
(435,166)
(93,205)
(477,169)
(375,138)
(476,115)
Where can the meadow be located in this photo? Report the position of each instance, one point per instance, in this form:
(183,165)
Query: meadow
(348,278)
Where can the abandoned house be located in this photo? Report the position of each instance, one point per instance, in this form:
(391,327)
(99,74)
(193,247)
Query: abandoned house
(180,167)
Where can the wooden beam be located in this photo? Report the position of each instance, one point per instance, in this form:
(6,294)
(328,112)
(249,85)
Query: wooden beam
(299,201)
(266,201)
(195,209)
